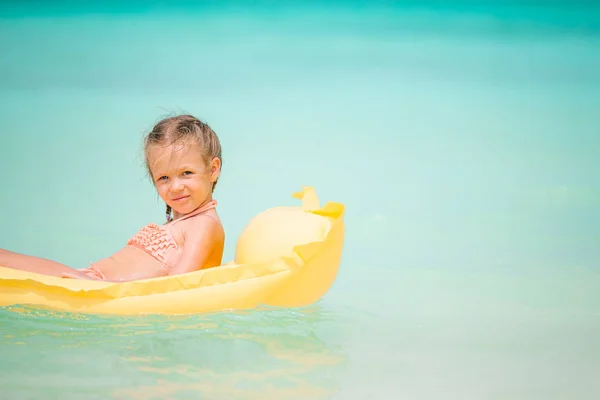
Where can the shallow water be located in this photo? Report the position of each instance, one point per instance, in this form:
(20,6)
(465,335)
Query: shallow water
(463,141)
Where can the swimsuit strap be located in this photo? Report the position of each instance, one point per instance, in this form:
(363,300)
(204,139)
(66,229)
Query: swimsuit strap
(208,206)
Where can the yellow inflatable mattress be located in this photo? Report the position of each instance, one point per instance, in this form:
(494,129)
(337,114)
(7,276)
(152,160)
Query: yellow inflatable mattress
(284,257)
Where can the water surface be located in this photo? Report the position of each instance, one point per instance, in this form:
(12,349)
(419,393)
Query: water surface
(462,139)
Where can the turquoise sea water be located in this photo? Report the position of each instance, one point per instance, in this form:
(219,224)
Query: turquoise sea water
(463,139)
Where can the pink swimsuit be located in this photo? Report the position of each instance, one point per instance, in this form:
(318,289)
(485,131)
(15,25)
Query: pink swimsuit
(156,240)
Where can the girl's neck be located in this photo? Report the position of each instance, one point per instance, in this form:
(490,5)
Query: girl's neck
(206,205)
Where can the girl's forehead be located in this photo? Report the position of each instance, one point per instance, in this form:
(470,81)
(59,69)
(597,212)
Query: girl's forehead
(171,155)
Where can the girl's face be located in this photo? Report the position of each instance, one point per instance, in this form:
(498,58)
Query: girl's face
(182,178)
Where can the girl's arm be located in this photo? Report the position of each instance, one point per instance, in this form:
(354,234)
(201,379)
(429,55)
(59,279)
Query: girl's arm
(200,241)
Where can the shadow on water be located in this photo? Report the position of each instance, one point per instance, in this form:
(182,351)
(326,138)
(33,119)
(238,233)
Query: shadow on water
(264,353)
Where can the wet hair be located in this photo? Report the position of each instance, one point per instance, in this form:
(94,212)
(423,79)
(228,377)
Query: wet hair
(183,128)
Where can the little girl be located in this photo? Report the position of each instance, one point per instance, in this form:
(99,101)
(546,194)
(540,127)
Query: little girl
(183,157)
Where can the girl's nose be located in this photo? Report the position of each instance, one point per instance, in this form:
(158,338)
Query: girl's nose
(176,185)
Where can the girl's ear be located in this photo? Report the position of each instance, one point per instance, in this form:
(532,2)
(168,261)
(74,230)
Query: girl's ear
(215,169)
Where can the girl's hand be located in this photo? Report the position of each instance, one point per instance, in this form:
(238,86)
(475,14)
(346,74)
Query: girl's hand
(76,275)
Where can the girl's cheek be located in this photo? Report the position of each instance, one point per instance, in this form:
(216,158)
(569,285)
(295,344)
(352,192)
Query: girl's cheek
(162,188)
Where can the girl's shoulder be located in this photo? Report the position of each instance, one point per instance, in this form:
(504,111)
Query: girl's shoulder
(201,227)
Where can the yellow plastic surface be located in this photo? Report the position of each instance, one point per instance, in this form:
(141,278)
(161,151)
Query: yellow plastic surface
(285,257)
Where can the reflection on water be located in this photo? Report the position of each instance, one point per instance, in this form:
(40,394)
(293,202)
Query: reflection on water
(268,353)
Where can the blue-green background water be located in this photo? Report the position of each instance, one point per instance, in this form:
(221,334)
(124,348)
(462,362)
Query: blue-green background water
(463,138)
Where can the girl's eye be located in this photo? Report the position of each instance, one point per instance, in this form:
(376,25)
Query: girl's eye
(162,178)
(188,173)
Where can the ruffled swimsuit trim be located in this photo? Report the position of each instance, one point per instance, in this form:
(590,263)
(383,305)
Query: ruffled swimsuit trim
(155,240)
